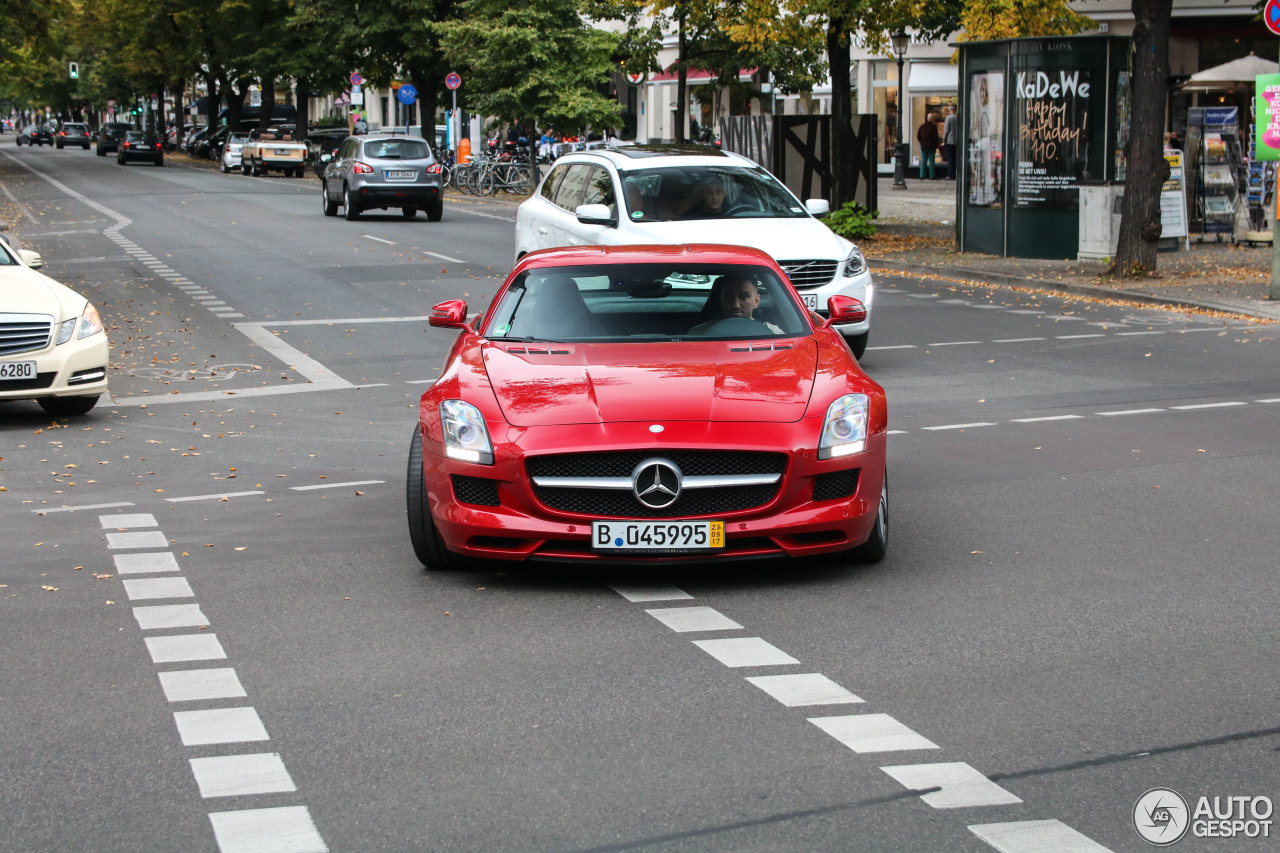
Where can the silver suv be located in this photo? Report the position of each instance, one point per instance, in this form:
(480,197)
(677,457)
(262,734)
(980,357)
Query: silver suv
(382,171)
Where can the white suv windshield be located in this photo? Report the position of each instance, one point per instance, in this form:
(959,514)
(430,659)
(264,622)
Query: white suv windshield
(706,192)
(647,303)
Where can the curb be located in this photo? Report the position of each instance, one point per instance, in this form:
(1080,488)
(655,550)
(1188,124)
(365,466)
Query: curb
(1248,308)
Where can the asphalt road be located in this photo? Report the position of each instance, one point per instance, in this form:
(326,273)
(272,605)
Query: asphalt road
(1079,602)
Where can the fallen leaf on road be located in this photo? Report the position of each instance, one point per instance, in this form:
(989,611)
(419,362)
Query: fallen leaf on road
(50,588)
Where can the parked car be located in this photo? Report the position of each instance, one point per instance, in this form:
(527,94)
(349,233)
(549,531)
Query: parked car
(72,133)
(110,135)
(209,145)
(647,404)
(231,151)
(142,146)
(323,141)
(273,150)
(383,171)
(36,134)
(52,345)
(645,194)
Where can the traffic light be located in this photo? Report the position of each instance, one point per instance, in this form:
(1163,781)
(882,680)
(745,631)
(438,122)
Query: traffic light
(74,68)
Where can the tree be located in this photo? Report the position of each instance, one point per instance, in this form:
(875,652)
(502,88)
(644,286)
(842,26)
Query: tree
(1146,171)
(534,63)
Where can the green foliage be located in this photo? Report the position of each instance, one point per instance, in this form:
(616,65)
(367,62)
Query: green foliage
(852,221)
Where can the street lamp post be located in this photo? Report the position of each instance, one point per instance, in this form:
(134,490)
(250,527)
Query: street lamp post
(901,151)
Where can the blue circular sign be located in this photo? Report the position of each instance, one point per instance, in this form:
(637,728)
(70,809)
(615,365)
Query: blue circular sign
(407,94)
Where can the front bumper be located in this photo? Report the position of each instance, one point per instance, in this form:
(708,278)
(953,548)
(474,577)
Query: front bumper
(793,523)
(77,368)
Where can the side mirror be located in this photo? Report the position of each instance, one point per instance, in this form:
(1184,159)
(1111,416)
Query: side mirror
(595,214)
(31,259)
(845,309)
(325,158)
(449,315)
(817,206)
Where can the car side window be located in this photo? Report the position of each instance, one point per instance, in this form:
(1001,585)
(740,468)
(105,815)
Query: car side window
(552,182)
(569,193)
(599,190)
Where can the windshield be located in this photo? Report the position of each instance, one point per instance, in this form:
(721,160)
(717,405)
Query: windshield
(647,302)
(706,192)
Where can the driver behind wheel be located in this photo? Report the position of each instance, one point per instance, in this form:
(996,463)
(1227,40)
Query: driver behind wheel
(732,296)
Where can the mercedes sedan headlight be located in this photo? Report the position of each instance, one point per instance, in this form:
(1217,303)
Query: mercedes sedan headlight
(844,432)
(855,264)
(465,436)
(89,323)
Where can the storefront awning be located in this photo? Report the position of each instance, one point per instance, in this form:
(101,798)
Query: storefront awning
(932,77)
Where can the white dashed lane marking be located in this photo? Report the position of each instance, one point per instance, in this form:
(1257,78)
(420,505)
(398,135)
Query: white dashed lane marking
(139,563)
(159,616)
(129,520)
(1035,836)
(157,588)
(288,829)
(337,485)
(48,510)
(185,647)
(961,785)
(219,725)
(216,497)
(745,651)
(872,733)
(800,690)
(143,539)
(238,775)
(687,619)
(192,685)
(658,592)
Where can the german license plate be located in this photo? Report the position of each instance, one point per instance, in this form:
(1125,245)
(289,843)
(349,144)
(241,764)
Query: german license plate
(400,174)
(810,301)
(283,152)
(657,537)
(17,370)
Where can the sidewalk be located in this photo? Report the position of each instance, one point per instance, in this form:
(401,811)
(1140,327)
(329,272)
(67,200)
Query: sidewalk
(917,235)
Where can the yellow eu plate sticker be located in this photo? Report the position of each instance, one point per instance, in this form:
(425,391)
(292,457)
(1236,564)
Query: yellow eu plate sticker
(717,534)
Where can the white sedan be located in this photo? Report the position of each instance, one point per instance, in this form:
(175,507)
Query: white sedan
(52,345)
(231,152)
(654,194)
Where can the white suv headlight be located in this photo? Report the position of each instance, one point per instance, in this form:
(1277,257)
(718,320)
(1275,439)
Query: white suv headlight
(844,432)
(89,323)
(466,438)
(855,264)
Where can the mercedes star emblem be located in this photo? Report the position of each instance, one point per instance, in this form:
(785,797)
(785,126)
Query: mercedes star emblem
(656,482)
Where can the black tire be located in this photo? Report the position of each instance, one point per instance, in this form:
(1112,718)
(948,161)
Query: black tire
(409,212)
(58,146)
(160,162)
(350,209)
(68,406)
(224,167)
(427,545)
(101,151)
(255,169)
(873,550)
(327,204)
(244,168)
(435,211)
(858,343)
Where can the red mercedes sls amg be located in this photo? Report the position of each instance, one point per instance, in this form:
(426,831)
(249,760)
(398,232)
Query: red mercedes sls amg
(648,404)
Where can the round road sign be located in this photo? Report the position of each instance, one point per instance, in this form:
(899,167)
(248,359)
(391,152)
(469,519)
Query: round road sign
(1271,16)
(636,79)
(356,79)
(407,94)
(453,81)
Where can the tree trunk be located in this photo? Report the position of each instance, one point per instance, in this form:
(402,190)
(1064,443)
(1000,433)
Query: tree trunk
(843,179)
(1140,211)
(265,112)
(301,104)
(682,78)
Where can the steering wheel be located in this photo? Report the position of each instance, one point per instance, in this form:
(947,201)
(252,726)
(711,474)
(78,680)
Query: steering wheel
(735,209)
(736,326)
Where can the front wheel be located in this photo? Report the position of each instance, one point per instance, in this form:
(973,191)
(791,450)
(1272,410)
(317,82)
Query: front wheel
(427,544)
(858,343)
(873,550)
(68,406)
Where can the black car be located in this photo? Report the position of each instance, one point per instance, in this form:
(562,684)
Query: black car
(321,142)
(109,136)
(72,133)
(36,134)
(138,145)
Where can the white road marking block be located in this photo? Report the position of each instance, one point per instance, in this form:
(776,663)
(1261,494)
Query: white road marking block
(337,485)
(157,588)
(1036,836)
(1049,418)
(142,539)
(284,830)
(47,510)
(1207,406)
(185,647)
(872,733)
(169,616)
(189,685)
(235,775)
(962,786)
(128,520)
(219,725)
(637,593)
(959,426)
(686,619)
(1129,412)
(140,563)
(216,497)
(745,651)
(810,688)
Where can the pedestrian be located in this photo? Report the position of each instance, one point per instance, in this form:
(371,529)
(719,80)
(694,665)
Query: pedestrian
(927,135)
(950,138)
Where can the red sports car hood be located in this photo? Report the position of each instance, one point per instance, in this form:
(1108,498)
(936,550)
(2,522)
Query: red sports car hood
(545,384)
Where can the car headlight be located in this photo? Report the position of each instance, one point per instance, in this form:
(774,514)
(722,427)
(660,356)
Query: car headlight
(89,323)
(844,432)
(465,436)
(855,264)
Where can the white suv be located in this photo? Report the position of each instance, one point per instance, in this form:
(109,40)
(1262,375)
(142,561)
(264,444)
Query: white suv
(664,194)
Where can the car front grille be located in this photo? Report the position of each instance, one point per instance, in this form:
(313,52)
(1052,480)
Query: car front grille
(24,332)
(42,380)
(810,273)
(618,503)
